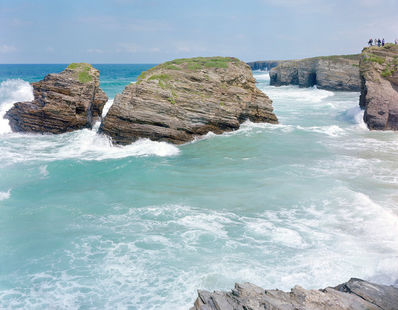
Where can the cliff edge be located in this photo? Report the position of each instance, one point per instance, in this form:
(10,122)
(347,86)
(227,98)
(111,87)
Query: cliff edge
(379,87)
(184,98)
(338,73)
(62,102)
(355,294)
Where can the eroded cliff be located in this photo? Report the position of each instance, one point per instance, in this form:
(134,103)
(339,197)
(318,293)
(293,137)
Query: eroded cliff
(340,73)
(184,98)
(379,87)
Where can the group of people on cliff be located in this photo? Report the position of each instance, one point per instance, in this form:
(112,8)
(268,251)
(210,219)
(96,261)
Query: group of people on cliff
(378,42)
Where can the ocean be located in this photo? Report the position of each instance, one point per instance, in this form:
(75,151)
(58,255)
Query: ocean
(86,225)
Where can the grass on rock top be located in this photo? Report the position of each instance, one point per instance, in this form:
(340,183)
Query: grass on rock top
(191,64)
(83,70)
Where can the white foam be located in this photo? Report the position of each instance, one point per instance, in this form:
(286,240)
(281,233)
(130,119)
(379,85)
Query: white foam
(106,108)
(12,91)
(5,195)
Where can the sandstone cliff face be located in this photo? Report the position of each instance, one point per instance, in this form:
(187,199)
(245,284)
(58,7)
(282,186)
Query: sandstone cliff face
(379,87)
(355,294)
(339,73)
(263,64)
(62,102)
(184,98)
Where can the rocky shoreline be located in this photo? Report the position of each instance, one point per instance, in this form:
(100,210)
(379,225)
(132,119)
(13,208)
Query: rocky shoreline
(355,294)
(337,73)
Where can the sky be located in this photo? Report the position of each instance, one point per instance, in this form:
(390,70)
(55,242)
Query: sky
(153,31)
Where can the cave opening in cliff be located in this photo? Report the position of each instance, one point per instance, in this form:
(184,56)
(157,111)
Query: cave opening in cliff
(312,79)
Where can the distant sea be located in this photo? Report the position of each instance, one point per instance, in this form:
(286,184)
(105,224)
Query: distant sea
(87,225)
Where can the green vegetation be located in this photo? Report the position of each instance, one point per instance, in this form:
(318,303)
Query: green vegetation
(355,65)
(83,70)
(387,72)
(377,59)
(221,103)
(172,67)
(159,77)
(199,63)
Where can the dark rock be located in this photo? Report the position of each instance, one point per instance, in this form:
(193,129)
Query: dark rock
(379,87)
(355,294)
(62,102)
(265,65)
(184,98)
(339,73)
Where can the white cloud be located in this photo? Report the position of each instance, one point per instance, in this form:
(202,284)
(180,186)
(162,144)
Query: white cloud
(4,48)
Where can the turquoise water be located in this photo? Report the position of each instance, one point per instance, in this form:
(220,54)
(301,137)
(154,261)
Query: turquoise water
(311,201)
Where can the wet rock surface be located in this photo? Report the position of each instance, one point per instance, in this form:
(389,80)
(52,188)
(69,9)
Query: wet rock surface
(355,294)
(338,73)
(184,98)
(379,87)
(62,102)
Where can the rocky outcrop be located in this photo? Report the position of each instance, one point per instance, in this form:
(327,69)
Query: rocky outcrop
(379,87)
(355,294)
(339,73)
(62,102)
(184,98)
(265,65)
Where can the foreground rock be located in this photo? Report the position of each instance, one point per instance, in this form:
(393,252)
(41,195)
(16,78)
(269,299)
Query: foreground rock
(339,73)
(379,87)
(184,98)
(355,294)
(62,102)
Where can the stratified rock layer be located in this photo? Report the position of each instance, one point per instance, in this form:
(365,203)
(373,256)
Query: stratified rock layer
(355,294)
(184,98)
(379,87)
(62,102)
(340,73)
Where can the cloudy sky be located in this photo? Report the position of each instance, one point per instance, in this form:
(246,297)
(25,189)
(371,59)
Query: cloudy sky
(152,31)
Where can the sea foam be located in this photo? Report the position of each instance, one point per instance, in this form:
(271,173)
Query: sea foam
(12,91)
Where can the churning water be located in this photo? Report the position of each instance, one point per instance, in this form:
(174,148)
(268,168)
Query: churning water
(84,224)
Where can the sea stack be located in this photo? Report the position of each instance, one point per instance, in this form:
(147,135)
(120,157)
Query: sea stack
(62,102)
(184,98)
(355,294)
(336,73)
(379,87)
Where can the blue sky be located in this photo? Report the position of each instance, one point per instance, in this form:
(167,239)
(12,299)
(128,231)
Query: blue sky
(152,31)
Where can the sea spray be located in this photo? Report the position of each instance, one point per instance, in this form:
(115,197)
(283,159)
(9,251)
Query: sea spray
(12,91)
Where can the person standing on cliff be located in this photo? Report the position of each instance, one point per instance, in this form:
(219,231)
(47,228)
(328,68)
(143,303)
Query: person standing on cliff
(396,41)
(370,43)
(378,42)
(382,42)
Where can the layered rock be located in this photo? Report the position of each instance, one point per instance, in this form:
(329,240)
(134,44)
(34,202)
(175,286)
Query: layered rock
(265,65)
(339,73)
(184,98)
(62,102)
(379,87)
(355,294)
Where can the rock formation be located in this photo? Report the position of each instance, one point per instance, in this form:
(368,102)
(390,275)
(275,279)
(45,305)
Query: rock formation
(263,64)
(355,294)
(339,73)
(184,98)
(62,102)
(379,87)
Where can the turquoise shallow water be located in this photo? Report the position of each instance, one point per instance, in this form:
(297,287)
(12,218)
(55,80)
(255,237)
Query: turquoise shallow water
(85,225)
